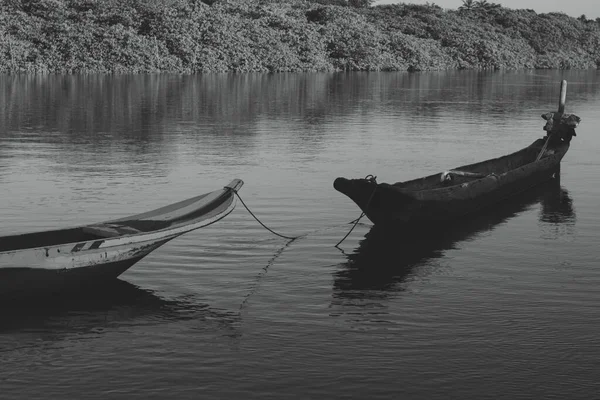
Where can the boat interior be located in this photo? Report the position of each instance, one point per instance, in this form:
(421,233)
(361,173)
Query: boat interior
(78,234)
(192,209)
(46,239)
(471,172)
(97,231)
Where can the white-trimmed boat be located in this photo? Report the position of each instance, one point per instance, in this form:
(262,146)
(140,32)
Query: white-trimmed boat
(58,260)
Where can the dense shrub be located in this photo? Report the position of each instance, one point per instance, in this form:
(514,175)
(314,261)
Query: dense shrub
(352,43)
(285,35)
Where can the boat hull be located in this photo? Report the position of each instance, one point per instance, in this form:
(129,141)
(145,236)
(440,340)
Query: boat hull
(392,206)
(26,277)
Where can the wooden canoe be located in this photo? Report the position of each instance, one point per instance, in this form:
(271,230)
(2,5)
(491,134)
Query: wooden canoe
(453,194)
(57,260)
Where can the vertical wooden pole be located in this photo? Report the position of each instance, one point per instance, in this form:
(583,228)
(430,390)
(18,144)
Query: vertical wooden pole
(563,97)
(557,116)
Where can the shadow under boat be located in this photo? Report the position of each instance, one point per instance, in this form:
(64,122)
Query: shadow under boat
(92,310)
(385,258)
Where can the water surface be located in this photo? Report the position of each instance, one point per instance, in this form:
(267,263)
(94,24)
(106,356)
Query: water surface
(503,306)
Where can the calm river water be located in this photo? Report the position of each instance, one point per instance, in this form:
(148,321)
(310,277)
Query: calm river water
(504,306)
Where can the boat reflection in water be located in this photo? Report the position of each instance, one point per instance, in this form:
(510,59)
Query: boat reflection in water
(384,259)
(114,304)
(557,215)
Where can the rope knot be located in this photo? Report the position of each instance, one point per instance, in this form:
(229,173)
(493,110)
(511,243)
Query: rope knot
(371,178)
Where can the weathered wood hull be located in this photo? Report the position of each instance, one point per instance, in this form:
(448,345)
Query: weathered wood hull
(424,201)
(51,261)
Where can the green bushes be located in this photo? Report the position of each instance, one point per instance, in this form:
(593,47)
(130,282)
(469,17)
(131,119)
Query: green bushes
(191,36)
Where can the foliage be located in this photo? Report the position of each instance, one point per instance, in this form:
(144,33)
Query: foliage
(351,3)
(351,42)
(467,5)
(188,36)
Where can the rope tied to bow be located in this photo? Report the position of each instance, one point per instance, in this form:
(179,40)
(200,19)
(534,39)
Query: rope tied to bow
(259,221)
(371,179)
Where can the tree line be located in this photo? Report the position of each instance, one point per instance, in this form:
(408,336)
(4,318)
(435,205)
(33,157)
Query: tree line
(193,36)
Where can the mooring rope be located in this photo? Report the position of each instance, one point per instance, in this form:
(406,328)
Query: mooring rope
(369,178)
(291,239)
(543,147)
(351,229)
(264,271)
(264,226)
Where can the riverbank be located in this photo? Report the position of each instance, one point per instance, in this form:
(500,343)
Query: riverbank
(187,36)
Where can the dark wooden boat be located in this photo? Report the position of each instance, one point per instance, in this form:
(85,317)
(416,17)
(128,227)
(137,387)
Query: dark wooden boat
(453,194)
(385,259)
(58,260)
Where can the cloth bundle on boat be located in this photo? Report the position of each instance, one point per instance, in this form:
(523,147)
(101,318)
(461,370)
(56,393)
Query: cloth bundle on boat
(561,126)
